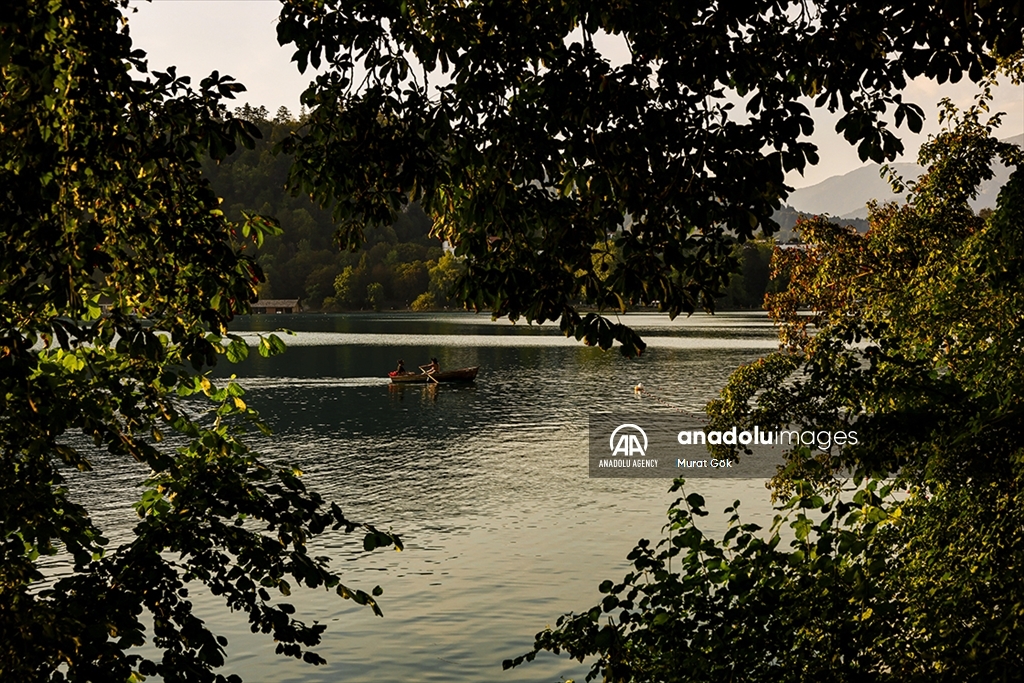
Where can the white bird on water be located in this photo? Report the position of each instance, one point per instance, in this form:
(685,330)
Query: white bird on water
(639,388)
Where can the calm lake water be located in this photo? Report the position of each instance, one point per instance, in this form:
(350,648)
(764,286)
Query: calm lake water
(486,483)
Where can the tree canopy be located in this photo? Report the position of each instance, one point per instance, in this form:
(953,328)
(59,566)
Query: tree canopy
(118,275)
(532,151)
(913,338)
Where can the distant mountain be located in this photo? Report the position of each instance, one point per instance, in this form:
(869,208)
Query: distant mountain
(787,218)
(847,195)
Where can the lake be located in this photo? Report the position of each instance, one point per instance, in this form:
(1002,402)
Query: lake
(486,483)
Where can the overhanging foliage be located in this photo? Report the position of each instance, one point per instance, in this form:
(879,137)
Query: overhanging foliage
(532,151)
(118,275)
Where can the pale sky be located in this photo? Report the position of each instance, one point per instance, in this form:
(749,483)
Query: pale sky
(238,37)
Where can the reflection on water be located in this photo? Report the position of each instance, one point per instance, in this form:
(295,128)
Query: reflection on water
(486,482)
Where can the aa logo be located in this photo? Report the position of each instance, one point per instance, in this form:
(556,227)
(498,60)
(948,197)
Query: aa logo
(628,443)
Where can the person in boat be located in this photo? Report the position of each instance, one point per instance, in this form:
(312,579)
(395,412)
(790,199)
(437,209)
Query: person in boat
(400,370)
(431,368)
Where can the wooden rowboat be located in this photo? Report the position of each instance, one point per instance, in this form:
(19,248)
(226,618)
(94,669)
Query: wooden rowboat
(460,375)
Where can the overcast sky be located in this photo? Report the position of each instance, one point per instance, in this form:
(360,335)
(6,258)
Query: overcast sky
(238,37)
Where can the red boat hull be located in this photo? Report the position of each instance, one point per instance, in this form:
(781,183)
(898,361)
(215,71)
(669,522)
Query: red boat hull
(460,375)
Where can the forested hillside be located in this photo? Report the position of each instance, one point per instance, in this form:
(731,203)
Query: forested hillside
(399,266)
